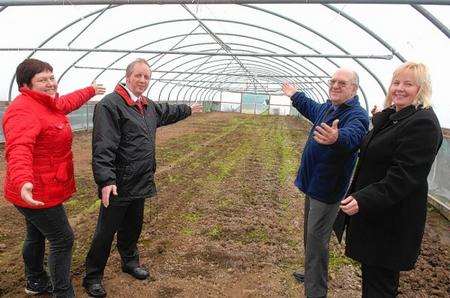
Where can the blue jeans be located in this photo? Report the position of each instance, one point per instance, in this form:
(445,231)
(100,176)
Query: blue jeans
(50,224)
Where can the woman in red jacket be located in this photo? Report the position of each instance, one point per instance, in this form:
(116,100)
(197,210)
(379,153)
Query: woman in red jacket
(39,178)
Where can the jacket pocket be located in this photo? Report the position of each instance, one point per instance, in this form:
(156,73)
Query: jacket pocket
(325,180)
(64,171)
(48,178)
(124,171)
(56,129)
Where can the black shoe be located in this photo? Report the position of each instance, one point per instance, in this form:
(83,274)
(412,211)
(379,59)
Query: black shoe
(94,289)
(136,272)
(300,277)
(38,288)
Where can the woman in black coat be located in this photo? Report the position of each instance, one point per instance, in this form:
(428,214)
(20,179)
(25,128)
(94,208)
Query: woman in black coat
(387,204)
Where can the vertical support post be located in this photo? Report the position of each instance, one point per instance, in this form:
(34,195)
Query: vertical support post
(241,102)
(87,116)
(220,104)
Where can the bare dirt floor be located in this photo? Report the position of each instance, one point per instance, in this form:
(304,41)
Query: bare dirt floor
(227,221)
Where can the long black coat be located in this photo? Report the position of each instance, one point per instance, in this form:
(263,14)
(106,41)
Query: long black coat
(123,143)
(390,186)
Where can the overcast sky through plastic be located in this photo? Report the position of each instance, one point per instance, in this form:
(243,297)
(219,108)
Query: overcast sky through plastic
(411,34)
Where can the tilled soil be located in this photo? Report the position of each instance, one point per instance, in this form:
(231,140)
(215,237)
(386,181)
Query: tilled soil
(227,220)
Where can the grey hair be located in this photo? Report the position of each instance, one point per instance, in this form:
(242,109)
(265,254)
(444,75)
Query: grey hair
(355,78)
(130,66)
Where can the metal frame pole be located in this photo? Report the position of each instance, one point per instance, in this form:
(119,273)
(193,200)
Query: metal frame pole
(161,2)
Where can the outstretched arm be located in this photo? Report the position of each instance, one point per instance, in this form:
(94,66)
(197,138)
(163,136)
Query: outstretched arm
(168,114)
(74,100)
(345,136)
(305,105)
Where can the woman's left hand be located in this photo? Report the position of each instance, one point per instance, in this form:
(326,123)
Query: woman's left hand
(349,205)
(99,89)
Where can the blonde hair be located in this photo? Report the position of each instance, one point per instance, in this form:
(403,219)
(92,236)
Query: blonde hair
(422,79)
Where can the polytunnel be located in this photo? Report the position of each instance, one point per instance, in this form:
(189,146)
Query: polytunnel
(204,52)
(224,53)
(233,56)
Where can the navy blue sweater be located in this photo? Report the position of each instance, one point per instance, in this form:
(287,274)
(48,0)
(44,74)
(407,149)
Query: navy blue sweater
(325,170)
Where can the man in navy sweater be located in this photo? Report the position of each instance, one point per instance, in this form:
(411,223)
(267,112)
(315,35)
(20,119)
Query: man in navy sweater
(328,159)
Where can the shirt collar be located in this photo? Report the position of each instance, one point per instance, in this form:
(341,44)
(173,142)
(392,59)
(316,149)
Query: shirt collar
(131,94)
(404,113)
(354,101)
(122,91)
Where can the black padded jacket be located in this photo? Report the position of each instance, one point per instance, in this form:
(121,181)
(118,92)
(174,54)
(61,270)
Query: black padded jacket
(123,143)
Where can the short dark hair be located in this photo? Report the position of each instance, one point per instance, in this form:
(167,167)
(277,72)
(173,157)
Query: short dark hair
(28,69)
(130,66)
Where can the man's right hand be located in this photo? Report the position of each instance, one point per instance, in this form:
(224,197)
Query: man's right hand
(196,108)
(288,89)
(27,195)
(106,192)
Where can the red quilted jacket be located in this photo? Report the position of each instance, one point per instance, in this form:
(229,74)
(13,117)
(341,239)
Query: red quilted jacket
(38,141)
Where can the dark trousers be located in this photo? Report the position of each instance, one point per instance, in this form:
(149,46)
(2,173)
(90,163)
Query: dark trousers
(379,282)
(318,223)
(125,219)
(51,224)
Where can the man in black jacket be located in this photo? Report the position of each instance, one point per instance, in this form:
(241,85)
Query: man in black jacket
(123,162)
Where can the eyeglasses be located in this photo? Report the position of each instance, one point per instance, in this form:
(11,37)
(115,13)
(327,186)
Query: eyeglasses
(340,83)
(45,80)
